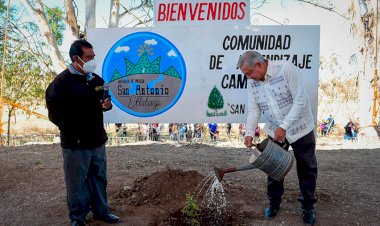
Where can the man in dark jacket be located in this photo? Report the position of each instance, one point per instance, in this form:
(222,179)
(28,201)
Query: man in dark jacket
(76,100)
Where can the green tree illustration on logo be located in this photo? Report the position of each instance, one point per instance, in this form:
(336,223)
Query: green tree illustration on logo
(215,99)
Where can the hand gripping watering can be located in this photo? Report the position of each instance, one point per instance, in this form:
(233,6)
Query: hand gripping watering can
(267,156)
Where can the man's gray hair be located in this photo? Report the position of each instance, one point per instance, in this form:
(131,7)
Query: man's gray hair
(250,58)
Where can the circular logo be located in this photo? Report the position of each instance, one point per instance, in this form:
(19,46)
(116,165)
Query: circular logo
(146,74)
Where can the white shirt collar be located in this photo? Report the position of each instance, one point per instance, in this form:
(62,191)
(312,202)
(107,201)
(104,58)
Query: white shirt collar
(270,70)
(72,70)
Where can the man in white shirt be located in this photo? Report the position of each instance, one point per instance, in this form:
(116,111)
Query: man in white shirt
(276,91)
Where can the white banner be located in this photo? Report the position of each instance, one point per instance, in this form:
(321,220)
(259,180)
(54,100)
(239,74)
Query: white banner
(201,12)
(189,74)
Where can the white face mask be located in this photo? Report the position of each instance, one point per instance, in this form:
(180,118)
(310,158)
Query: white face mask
(89,66)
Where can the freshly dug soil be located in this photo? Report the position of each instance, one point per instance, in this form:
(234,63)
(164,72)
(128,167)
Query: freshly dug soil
(148,184)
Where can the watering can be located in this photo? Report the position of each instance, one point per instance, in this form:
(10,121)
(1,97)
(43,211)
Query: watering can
(267,156)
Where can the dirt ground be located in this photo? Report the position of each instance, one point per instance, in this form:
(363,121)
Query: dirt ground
(147,184)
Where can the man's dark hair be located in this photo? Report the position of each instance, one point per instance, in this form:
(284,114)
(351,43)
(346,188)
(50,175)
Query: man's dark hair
(76,48)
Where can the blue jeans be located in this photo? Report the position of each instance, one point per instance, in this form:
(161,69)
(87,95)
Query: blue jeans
(86,181)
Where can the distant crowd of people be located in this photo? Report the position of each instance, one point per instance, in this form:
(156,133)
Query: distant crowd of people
(189,131)
(351,130)
(184,131)
(327,126)
(180,131)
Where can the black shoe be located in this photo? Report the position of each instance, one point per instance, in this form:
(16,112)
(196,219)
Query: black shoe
(271,212)
(308,217)
(77,223)
(109,218)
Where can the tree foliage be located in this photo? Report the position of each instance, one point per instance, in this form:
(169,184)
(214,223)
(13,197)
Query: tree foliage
(24,80)
(340,86)
(2,5)
(56,19)
(24,83)
(341,90)
(3,14)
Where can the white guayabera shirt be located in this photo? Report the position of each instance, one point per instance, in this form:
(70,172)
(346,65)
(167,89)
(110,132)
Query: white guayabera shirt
(283,101)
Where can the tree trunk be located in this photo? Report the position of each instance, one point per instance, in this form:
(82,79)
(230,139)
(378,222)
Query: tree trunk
(9,124)
(47,35)
(114,13)
(90,14)
(367,26)
(71,19)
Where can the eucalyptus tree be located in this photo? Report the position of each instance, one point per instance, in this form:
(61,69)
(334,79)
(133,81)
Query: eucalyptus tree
(24,83)
(363,19)
(134,13)
(28,65)
(90,8)
(131,13)
(39,14)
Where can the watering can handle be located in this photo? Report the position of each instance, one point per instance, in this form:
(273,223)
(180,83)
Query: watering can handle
(251,149)
(278,143)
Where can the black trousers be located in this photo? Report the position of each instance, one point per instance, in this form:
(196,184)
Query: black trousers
(304,153)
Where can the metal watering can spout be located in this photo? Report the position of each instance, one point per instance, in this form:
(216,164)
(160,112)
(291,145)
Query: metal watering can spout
(219,172)
(268,157)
